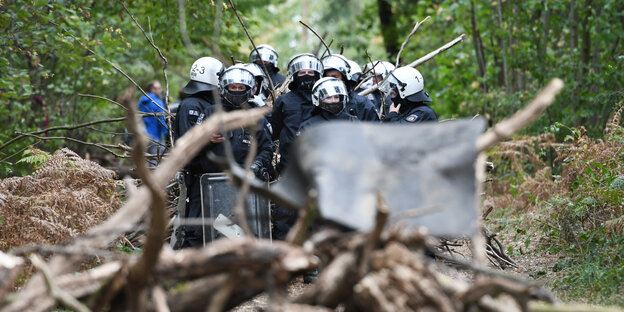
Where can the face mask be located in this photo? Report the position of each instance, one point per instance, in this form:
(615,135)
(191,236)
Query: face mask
(236,98)
(333,108)
(305,82)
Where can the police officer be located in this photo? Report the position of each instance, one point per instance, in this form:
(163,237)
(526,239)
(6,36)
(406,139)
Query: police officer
(292,108)
(406,87)
(267,55)
(330,97)
(337,66)
(289,111)
(376,72)
(199,95)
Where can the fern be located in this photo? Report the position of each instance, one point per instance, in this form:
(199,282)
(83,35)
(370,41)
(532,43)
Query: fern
(35,157)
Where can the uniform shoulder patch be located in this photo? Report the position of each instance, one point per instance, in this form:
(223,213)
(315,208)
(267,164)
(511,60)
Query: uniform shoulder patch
(269,127)
(411,118)
(193,112)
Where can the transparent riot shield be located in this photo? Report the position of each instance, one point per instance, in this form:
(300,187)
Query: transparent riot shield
(218,197)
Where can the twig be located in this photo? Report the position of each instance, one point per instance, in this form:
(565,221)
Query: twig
(506,128)
(317,36)
(373,236)
(329,46)
(66,250)
(408,38)
(420,61)
(159,297)
(438,51)
(223,294)
(241,202)
(296,234)
(55,292)
(266,72)
(102,98)
(136,206)
(60,128)
(105,147)
(164,59)
(140,272)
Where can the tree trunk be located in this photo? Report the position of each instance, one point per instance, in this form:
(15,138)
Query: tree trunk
(388,27)
(503,42)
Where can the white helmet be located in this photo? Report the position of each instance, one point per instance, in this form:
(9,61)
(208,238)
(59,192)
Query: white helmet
(305,61)
(407,82)
(330,94)
(265,53)
(355,71)
(378,68)
(261,80)
(237,74)
(339,63)
(204,75)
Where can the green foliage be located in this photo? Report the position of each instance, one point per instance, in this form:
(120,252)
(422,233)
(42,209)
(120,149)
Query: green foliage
(575,214)
(35,158)
(127,249)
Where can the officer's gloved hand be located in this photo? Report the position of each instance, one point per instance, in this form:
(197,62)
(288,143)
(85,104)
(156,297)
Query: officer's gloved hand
(259,170)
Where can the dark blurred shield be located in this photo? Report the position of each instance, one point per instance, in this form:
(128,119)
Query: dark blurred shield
(219,198)
(425,172)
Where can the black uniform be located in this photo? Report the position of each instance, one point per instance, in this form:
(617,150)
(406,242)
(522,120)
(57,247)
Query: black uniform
(193,110)
(412,113)
(289,111)
(277,78)
(320,116)
(361,107)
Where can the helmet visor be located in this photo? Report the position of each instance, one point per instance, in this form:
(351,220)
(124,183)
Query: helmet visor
(264,54)
(305,62)
(238,76)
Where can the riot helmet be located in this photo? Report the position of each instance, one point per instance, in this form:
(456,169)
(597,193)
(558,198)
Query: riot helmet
(204,75)
(304,62)
(264,53)
(330,94)
(339,63)
(237,85)
(354,71)
(405,83)
(378,70)
(262,83)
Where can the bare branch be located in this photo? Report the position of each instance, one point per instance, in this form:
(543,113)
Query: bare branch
(140,272)
(106,147)
(164,59)
(408,38)
(438,51)
(506,128)
(317,36)
(266,72)
(55,292)
(420,61)
(103,98)
(136,206)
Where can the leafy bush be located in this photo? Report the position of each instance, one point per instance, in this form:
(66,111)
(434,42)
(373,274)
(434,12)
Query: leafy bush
(571,197)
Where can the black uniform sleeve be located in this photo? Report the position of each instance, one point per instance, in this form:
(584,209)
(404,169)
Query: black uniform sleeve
(370,112)
(277,117)
(392,117)
(265,146)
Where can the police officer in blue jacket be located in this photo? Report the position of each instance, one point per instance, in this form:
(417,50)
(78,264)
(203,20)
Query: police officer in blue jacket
(406,87)
(155,126)
(337,66)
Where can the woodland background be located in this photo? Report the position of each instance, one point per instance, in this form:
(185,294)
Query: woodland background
(565,174)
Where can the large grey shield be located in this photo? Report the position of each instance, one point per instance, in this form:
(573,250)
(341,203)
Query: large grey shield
(425,172)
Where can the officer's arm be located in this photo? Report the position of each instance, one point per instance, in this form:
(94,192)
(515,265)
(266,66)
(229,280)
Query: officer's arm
(277,118)
(370,112)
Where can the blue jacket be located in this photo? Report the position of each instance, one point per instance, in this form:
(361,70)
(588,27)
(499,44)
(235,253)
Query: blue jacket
(156,127)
